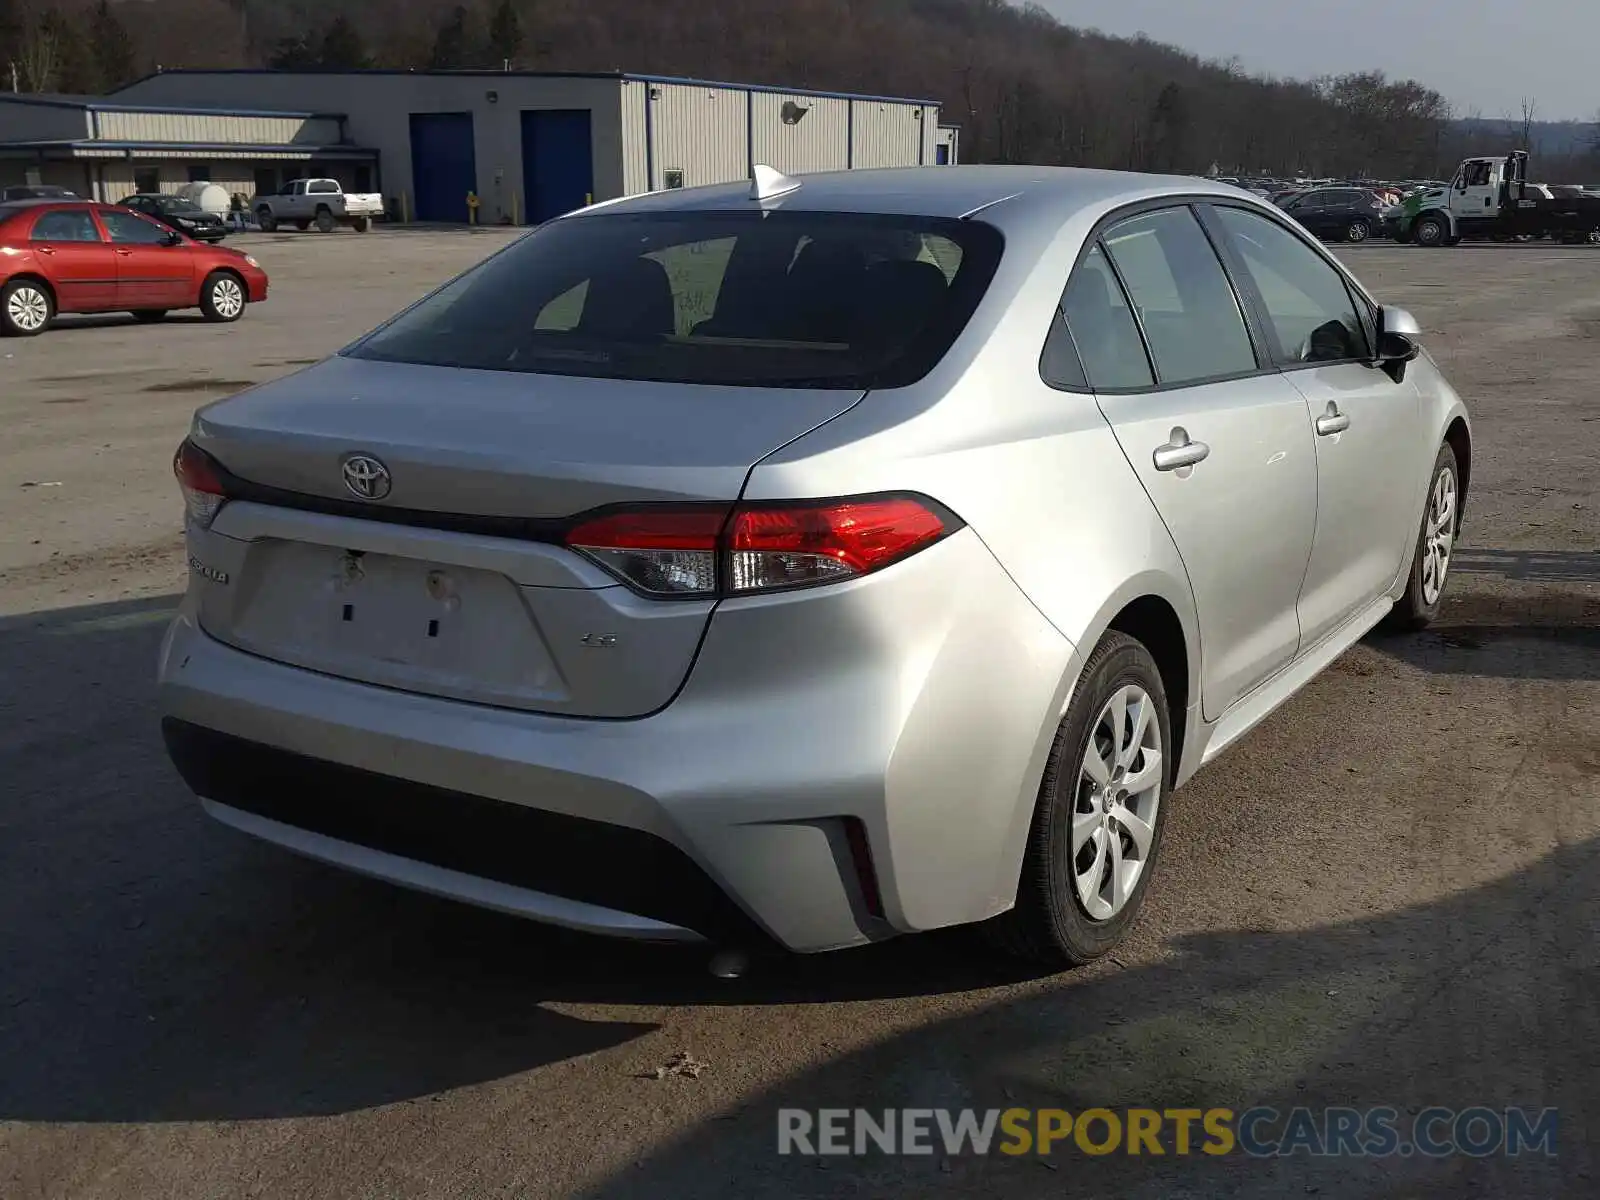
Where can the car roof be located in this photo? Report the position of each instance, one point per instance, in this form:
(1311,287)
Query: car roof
(936,192)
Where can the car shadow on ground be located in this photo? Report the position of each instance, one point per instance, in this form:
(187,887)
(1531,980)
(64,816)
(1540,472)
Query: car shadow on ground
(106,320)
(1511,633)
(161,967)
(1486,997)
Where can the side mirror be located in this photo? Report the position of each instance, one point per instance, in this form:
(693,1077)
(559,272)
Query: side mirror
(173,238)
(1397,342)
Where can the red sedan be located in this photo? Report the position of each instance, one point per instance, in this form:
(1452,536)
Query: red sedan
(75,256)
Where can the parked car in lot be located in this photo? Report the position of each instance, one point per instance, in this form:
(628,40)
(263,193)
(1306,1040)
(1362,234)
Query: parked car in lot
(79,257)
(1337,214)
(185,216)
(808,561)
(320,202)
(35,191)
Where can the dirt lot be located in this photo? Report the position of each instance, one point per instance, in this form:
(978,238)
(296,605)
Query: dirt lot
(1388,895)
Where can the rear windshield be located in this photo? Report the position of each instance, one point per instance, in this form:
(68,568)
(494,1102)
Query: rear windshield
(782,299)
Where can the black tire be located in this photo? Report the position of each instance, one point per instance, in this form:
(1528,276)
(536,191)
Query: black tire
(302,226)
(325,221)
(1049,923)
(265,219)
(216,300)
(1430,231)
(361,224)
(150,316)
(1358,231)
(1593,237)
(27,307)
(1414,610)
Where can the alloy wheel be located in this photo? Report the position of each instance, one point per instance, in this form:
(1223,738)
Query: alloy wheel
(1438,535)
(28,309)
(1118,793)
(226,297)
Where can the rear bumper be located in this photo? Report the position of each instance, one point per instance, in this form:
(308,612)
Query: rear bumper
(919,703)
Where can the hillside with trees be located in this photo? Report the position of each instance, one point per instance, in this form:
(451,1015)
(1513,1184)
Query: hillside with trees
(1023,86)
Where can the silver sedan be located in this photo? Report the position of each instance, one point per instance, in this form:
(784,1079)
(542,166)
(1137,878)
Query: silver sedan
(808,561)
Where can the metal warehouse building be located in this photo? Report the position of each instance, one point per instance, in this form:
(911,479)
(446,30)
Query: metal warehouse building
(530,146)
(107,150)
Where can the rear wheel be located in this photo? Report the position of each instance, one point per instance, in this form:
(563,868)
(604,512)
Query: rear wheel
(1430,231)
(222,297)
(302,226)
(26,307)
(1097,828)
(1358,231)
(1436,540)
(1594,237)
(361,224)
(325,221)
(150,315)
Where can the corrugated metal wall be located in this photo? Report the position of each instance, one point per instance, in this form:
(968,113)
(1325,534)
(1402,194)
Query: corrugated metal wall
(887,135)
(818,141)
(379,107)
(635,158)
(215,128)
(701,131)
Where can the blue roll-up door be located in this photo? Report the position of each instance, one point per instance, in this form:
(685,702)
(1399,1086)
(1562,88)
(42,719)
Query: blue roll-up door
(443,166)
(557,162)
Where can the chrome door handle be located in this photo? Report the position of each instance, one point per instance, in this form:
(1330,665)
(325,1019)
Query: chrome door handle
(123,252)
(44,249)
(1331,422)
(1179,452)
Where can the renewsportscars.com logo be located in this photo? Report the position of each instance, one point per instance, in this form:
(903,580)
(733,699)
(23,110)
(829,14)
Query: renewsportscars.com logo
(1477,1132)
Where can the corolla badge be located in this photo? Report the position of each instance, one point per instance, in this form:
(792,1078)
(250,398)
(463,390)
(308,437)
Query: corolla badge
(366,477)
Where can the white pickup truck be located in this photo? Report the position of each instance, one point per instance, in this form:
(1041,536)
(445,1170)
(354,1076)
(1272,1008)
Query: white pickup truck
(320,202)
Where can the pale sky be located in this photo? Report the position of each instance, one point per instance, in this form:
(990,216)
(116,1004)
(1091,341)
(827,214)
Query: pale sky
(1484,54)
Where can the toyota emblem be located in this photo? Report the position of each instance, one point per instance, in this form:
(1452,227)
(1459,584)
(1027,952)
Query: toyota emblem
(366,477)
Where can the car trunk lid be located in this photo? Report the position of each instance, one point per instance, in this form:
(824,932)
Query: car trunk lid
(453,582)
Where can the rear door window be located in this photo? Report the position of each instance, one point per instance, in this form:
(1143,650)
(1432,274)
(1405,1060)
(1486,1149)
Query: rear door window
(781,299)
(68,225)
(1185,305)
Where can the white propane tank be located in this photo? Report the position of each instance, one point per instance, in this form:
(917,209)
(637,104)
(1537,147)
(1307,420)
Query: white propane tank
(209,196)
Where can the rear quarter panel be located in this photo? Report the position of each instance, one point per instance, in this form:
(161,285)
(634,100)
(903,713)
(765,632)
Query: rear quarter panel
(1038,476)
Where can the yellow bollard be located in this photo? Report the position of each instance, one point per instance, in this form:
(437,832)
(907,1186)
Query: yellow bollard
(472,208)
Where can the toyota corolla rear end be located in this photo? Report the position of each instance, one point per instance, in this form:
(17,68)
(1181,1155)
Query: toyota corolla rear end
(478,606)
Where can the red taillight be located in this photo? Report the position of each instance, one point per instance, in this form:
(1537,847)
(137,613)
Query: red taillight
(200,482)
(703,551)
(662,551)
(796,545)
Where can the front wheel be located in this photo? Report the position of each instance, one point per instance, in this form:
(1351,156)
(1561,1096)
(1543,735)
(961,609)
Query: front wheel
(1097,828)
(1430,232)
(265,219)
(1436,540)
(222,297)
(26,307)
(1358,231)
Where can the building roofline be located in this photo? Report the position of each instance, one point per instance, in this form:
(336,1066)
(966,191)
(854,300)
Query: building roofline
(166,109)
(621,76)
